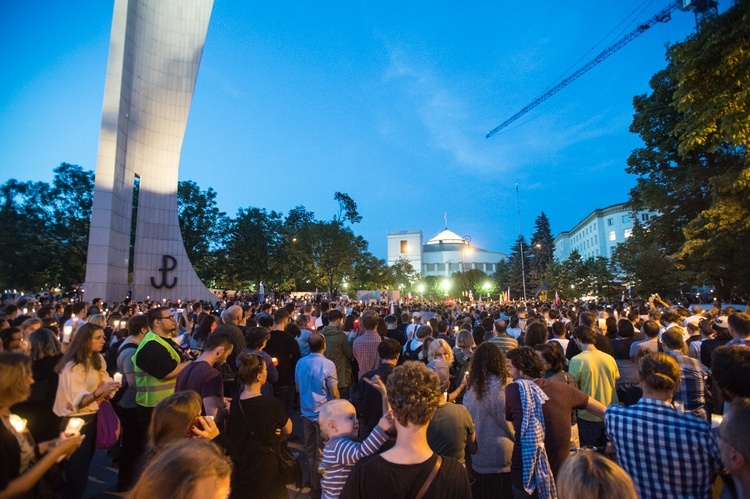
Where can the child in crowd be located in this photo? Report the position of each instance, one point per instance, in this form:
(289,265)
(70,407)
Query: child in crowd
(339,425)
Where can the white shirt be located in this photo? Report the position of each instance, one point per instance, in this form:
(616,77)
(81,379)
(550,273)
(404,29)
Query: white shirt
(75,384)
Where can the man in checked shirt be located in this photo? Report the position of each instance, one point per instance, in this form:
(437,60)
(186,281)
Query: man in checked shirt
(666,452)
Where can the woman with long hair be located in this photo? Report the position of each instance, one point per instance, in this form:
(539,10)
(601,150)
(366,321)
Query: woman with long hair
(84,382)
(186,469)
(175,418)
(46,352)
(485,400)
(23,462)
(252,437)
(206,327)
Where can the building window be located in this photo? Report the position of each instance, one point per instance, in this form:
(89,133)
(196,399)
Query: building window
(404,246)
(644,217)
(610,222)
(490,267)
(612,236)
(628,233)
(441,267)
(626,219)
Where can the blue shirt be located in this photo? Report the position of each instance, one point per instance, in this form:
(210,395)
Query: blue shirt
(666,452)
(314,375)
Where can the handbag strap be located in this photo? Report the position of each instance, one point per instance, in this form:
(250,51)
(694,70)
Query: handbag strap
(430,478)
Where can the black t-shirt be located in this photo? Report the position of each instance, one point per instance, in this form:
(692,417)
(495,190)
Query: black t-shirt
(396,335)
(370,401)
(250,438)
(155,360)
(286,350)
(621,347)
(10,457)
(375,478)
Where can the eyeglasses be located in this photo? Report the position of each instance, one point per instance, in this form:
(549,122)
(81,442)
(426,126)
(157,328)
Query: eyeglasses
(167,317)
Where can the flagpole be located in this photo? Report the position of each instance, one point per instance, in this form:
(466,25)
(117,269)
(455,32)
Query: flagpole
(520,242)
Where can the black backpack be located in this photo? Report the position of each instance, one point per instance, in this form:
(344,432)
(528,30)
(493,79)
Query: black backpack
(410,354)
(110,356)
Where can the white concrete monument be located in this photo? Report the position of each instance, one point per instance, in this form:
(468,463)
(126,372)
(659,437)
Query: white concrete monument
(155,50)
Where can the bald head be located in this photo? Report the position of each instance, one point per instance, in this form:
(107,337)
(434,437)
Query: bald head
(317,342)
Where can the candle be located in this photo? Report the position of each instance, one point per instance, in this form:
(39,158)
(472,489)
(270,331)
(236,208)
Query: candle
(116,324)
(17,422)
(74,426)
(67,331)
(275,361)
(25,311)
(117,377)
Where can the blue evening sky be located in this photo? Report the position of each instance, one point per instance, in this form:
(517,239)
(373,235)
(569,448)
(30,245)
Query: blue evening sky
(386,101)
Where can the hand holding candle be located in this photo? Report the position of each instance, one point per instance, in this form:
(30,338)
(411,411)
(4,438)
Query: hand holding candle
(67,331)
(74,426)
(17,422)
(117,377)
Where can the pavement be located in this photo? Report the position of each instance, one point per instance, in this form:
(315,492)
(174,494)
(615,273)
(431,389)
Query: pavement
(103,472)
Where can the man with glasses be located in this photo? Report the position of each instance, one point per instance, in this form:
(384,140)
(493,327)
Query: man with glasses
(157,362)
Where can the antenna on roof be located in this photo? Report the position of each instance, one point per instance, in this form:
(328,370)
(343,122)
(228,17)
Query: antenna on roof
(445,217)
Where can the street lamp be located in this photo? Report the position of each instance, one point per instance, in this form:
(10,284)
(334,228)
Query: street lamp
(446,285)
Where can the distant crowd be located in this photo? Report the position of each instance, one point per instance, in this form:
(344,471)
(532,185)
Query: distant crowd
(531,399)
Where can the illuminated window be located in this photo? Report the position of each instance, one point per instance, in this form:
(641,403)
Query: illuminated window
(612,236)
(628,233)
(404,246)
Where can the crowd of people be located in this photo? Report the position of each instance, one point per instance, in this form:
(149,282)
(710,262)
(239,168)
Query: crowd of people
(415,400)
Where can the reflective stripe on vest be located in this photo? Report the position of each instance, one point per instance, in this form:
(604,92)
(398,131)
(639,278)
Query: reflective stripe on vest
(149,391)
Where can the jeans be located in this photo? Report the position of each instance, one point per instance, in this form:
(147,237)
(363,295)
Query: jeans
(313,443)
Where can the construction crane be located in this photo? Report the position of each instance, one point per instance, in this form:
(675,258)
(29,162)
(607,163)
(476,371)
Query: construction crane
(702,7)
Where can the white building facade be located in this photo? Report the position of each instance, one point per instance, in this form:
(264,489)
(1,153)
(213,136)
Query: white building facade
(442,255)
(599,233)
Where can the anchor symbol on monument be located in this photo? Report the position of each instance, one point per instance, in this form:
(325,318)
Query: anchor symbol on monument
(168,263)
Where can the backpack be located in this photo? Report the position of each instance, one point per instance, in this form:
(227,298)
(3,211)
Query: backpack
(410,354)
(110,357)
(120,348)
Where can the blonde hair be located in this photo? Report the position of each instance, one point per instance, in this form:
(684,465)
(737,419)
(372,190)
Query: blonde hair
(329,411)
(15,369)
(440,343)
(179,467)
(589,475)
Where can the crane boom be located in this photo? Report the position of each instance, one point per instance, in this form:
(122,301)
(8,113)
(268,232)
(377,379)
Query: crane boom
(662,16)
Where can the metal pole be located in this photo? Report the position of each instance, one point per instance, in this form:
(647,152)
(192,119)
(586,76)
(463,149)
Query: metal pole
(520,242)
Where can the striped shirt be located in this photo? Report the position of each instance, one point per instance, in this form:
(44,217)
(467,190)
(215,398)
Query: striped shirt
(505,342)
(339,457)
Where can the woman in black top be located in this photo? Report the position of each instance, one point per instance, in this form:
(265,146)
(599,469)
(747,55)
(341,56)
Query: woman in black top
(255,423)
(46,352)
(22,462)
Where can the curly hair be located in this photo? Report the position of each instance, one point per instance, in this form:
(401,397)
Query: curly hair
(413,393)
(527,361)
(488,360)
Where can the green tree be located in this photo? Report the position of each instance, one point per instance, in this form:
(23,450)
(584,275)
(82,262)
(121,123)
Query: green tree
(347,208)
(334,250)
(252,247)
(645,265)
(693,169)
(404,274)
(203,225)
(542,246)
